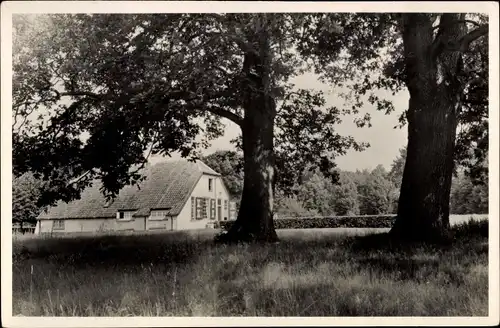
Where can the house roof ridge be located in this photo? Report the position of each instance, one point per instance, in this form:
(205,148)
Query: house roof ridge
(204,168)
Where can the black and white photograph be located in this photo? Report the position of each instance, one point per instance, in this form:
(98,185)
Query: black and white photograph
(249,163)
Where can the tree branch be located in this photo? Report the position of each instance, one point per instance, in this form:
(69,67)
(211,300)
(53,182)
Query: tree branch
(76,180)
(79,94)
(459,21)
(140,167)
(476,80)
(438,46)
(463,44)
(467,39)
(224,113)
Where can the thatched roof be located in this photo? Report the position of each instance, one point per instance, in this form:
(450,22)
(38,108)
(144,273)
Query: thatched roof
(167,186)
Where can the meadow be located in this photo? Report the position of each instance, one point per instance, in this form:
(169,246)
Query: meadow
(310,272)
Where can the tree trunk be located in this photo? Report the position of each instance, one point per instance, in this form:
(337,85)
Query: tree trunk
(423,209)
(255,215)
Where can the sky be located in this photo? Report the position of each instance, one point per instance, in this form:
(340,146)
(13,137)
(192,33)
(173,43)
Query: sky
(385,140)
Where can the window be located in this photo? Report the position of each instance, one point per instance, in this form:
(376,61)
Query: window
(124,215)
(58,225)
(158,215)
(210,184)
(212,209)
(201,208)
(225,204)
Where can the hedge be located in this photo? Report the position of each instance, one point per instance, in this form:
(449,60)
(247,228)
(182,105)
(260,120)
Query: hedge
(362,221)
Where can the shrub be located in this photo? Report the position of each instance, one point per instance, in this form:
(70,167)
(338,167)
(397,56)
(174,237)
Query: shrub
(362,221)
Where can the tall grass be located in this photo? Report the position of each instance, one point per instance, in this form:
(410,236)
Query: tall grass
(309,273)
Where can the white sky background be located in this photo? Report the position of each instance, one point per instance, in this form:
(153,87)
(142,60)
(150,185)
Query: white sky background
(385,141)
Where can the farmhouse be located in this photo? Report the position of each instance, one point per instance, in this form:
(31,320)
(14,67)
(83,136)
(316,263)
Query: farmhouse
(176,195)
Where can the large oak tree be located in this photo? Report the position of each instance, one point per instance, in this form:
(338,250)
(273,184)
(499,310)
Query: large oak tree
(442,61)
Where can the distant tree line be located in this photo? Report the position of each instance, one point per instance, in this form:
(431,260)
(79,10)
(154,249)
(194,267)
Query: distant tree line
(26,192)
(360,192)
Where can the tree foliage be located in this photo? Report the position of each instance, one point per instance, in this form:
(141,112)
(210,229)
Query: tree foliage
(345,196)
(26,192)
(397,167)
(376,192)
(306,138)
(315,194)
(287,207)
(467,197)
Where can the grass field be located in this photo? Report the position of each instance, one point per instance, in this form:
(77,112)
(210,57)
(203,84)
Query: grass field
(316,272)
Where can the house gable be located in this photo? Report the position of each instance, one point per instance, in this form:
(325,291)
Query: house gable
(189,217)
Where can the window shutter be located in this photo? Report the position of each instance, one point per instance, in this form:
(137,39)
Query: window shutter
(198,208)
(193,208)
(212,209)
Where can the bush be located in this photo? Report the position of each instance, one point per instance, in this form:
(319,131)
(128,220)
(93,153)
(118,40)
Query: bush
(362,221)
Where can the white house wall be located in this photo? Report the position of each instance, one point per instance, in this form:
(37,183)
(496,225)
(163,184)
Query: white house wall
(184,221)
(93,225)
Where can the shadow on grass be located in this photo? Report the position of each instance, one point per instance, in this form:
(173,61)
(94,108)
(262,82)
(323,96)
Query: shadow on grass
(462,234)
(183,247)
(417,261)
